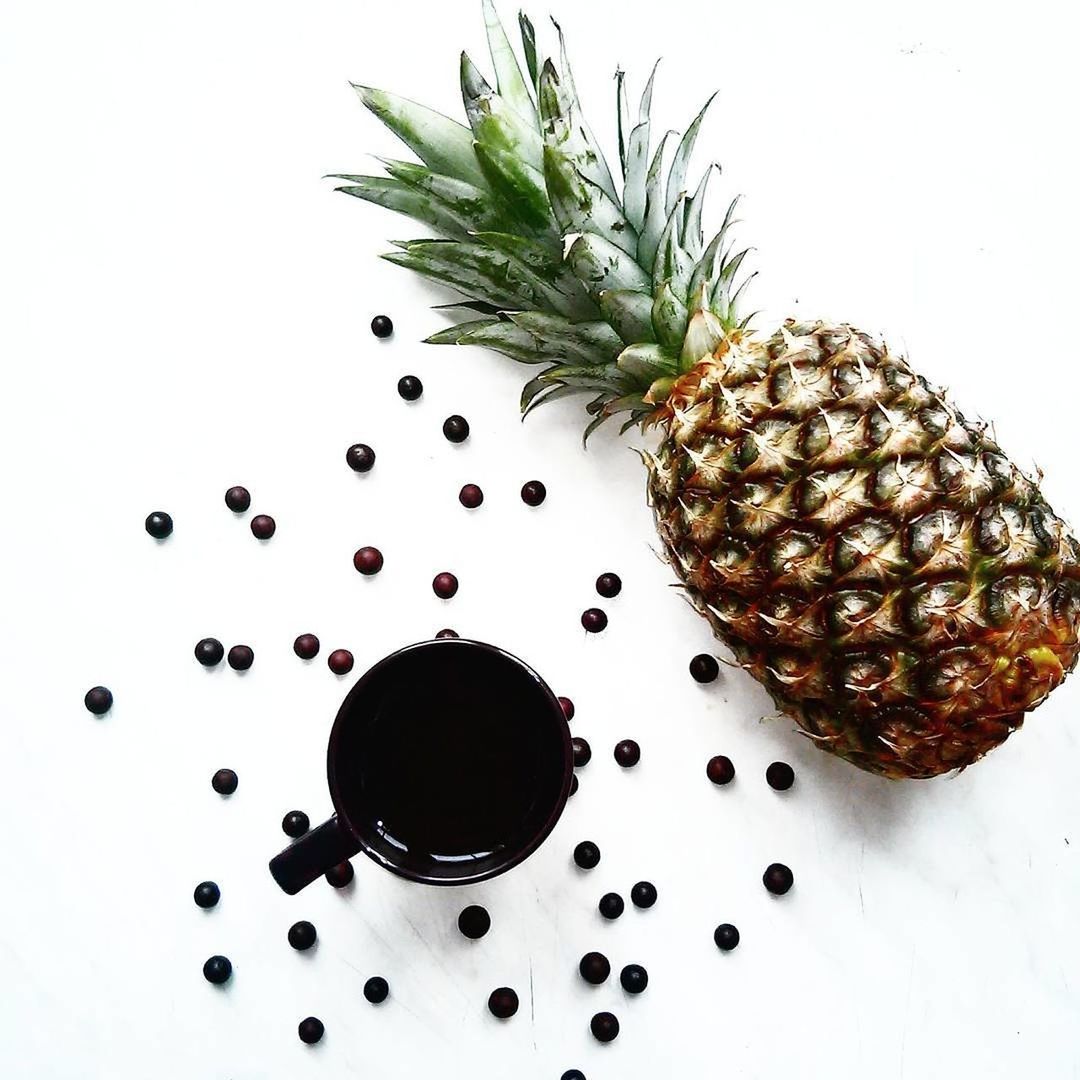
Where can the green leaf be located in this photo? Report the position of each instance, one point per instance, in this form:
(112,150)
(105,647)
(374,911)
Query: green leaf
(681,162)
(599,265)
(593,342)
(519,186)
(655,214)
(709,264)
(553,394)
(629,313)
(395,195)
(507,72)
(528,43)
(669,318)
(672,263)
(441,143)
(495,124)
(510,340)
(692,237)
(471,204)
(645,362)
(452,335)
(621,117)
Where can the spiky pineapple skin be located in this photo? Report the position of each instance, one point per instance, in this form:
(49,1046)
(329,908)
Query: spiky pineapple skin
(903,591)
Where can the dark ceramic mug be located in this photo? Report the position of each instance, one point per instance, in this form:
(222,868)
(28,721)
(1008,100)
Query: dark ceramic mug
(449,762)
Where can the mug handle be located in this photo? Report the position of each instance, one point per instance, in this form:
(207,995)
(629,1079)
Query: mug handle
(312,855)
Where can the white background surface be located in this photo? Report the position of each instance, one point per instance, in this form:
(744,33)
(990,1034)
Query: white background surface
(185,307)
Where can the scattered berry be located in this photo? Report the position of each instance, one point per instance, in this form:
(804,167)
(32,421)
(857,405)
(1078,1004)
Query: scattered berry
(447,633)
(217,970)
(376,990)
(263,526)
(533,493)
(605,1027)
(340,661)
(207,894)
(306,646)
(704,668)
(456,428)
(410,387)
(238,499)
(470,496)
(295,823)
(474,922)
(98,700)
(573,1074)
(567,708)
(627,753)
(780,776)
(224,781)
(368,560)
(339,876)
(445,585)
(720,770)
(209,652)
(594,620)
(360,457)
(302,935)
(159,524)
(382,326)
(611,905)
(726,937)
(503,1003)
(241,657)
(311,1030)
(594,968)
(634,978)
(778,878)
(609,585)
(587,855)
(573,785)
(643,894)
(582,752)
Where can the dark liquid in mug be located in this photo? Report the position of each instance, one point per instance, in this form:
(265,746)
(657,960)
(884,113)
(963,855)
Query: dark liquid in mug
(451,763)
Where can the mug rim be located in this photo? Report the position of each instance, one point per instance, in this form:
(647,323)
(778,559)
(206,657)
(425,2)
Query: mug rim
(520,854)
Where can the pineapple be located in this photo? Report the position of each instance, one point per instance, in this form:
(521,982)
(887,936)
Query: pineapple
(902,590)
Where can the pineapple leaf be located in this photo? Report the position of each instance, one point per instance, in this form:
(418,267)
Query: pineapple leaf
(395,195)
(471,204)
(629,313)
(669,317)
(599,265)
(519,186)
(468,305)
(592,342)
(646,362)
(681,162)
(692,237)
(655,215)
(672,263)
(452,335)
(510,340)
(621,117)
(444,145)
(553,393)
(703,334)
(507,70)
(581,206)
(494,123)
(528,44)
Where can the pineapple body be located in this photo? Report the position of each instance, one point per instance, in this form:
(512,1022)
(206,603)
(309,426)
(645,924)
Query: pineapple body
(903,591)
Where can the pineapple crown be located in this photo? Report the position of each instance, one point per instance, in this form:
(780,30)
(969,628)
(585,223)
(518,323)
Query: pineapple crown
(613,292)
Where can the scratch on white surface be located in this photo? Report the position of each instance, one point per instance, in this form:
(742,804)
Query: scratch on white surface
(435,954)
(532,1003)
(907,1010)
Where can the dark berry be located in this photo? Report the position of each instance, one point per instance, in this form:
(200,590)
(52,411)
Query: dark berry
(306,646)
(470,496)
(627,753)
(594,968)
(778,878)
(382,326)
(217,970)
(207,894)
(474,922)
(567,707)
(573,785)
(368,560)
(609,585)
(410,387)
(720,770)
(263,526)
(445,585)
(98,700)
(611,905)
(302,935)
(594,620)
(241,657)
(238,499)
(533,493)
(643,894)
(447,633)
(340,661)
(704,668)
(780,776)
(605,1027)
(311,1030)
(360,457)
(573,1074)
(295,823)
(339,876)
(587,855)
(159,524)
(456,428)
(634,978)
(209,652)
(582,752)
(503,1003)
(726,937)
(224,781)
(376,990)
